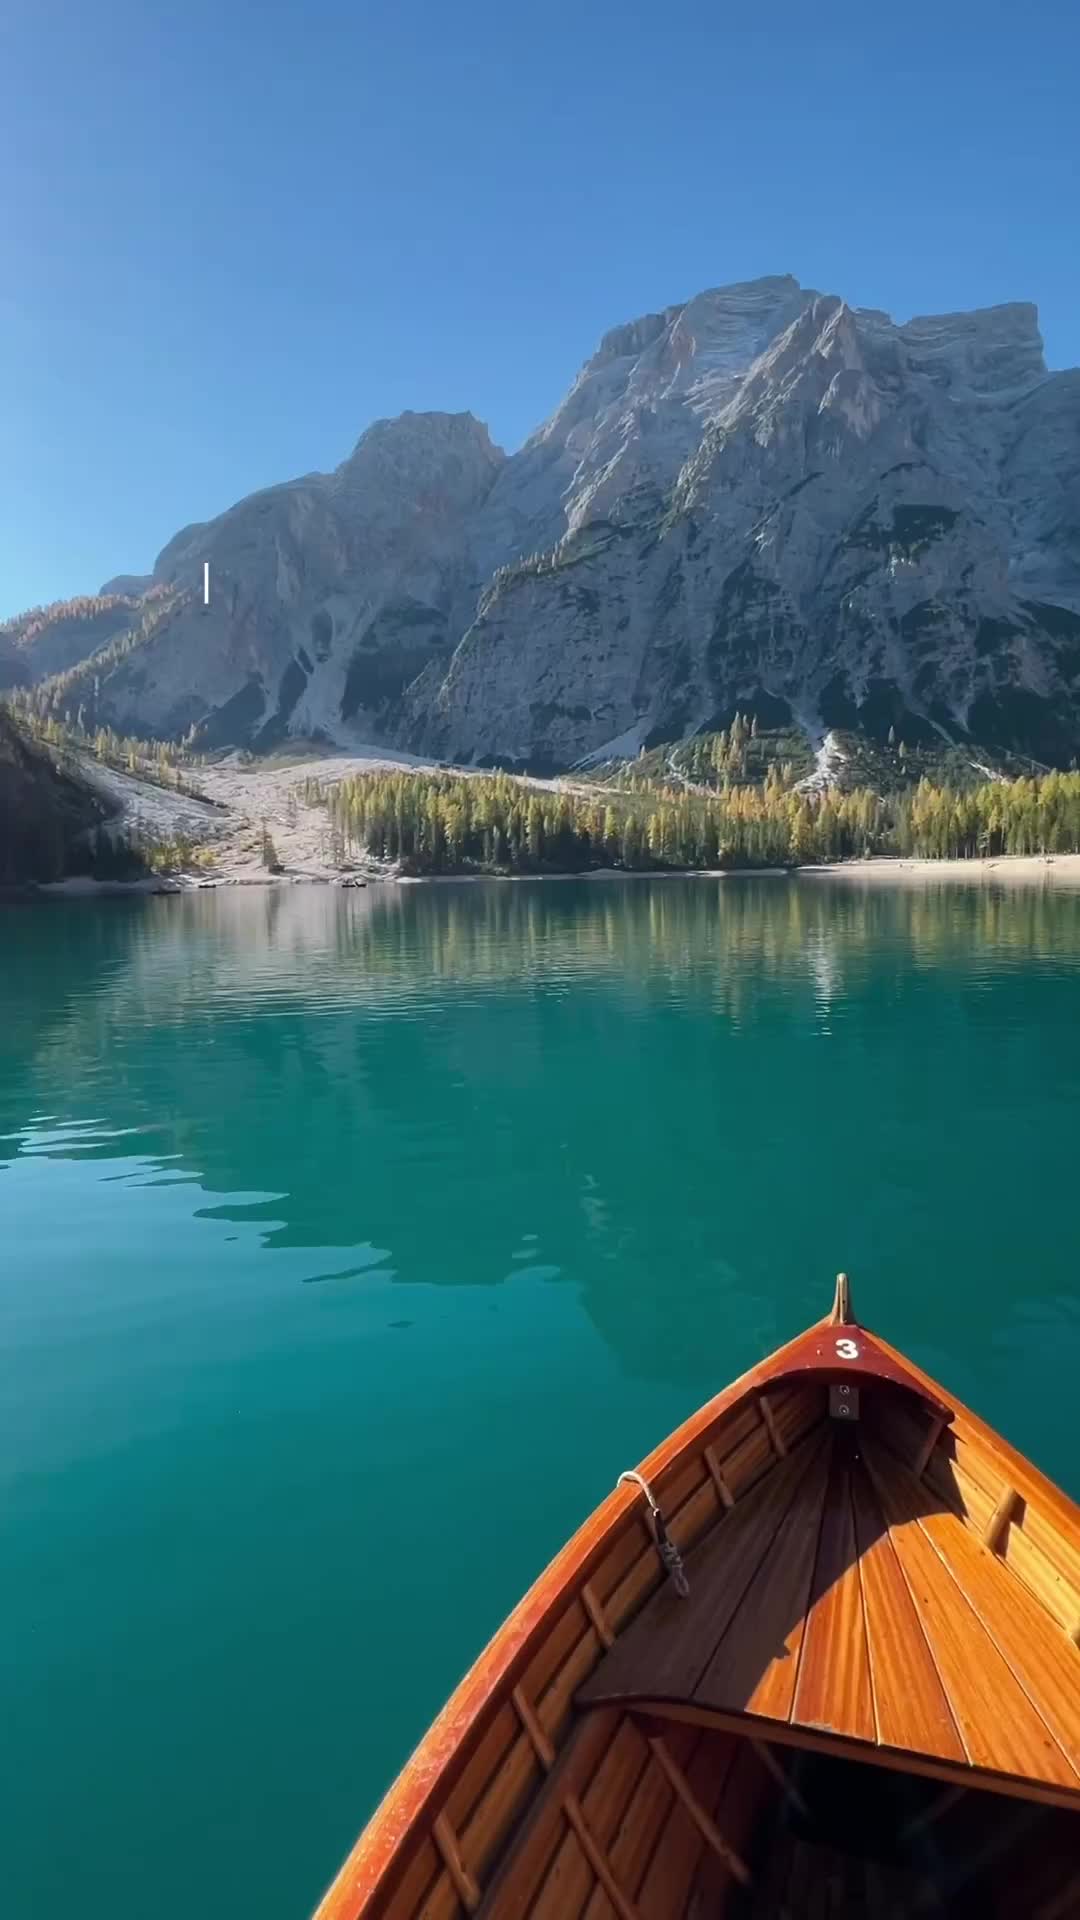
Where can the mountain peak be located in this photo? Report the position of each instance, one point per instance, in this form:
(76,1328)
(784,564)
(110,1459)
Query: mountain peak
(758,498)
(413,429)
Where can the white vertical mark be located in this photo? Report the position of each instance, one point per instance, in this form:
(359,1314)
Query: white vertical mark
(206,583)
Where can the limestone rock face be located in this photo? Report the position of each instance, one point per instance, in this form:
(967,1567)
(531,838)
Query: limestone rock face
(762,498)
(861,523)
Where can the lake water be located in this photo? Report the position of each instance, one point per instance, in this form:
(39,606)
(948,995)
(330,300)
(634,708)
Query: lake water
(353,1243)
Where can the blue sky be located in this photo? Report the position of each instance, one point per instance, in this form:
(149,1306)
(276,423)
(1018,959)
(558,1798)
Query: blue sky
(241,230)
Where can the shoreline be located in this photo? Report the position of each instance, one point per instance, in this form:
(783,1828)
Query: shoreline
(1011,869)
(1046,869)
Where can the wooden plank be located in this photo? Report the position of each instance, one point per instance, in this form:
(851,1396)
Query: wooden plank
(1001,1461)
(447,1842)
(934,1431)
(1042,1578)
(599,1862)
(701,1818)
(554,1705)
(780,1733)
(735,1811)
(634,1841)
(606,1796)
(666,1650)
(727,1498)
(1037,1654)
(959,1491)
(833,1688)
(1000,1518)
(1001,1729)
(746,1463)
(441,1902)
(775,1436)
(591,1808)
(504,1797)
(424,1869)
(911,1710)
(488,1754)
(541,1745)
(599,1907)
(796,1411)
(594,1608)
(528,1859)
(1060,1546)
(565,1631)
(756,1662)
(679,1848)
(623,1553)
(568,1882)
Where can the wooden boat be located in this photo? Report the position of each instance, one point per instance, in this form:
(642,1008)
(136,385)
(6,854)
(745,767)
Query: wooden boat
(820,1657)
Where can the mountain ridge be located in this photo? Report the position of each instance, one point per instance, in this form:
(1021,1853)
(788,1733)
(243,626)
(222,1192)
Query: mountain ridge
(759,498)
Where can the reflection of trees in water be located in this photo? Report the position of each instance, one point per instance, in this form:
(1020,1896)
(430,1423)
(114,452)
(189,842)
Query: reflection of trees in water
(555,1111)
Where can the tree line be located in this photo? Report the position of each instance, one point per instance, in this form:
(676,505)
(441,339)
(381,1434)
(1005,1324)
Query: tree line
(452,823)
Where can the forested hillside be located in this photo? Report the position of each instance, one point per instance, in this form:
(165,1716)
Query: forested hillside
(454,823)
(43,809)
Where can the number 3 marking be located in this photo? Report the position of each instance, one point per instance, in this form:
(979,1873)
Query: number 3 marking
(847,1349)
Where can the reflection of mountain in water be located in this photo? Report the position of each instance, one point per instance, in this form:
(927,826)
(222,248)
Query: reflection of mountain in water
(622,1085)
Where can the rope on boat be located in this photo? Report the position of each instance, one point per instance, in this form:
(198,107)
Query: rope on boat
(665,1545)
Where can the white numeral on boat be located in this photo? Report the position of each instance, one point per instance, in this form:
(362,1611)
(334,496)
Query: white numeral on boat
(847,1349)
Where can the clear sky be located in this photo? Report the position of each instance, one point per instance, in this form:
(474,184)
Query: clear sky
(240,230)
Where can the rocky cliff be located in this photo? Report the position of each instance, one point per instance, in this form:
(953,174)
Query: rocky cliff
(759,499)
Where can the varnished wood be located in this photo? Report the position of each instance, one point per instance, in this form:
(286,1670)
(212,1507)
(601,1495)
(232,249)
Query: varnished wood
(702,1820)
(595,1611)
(570,1880)
(999,1519)
(476,1821)
(1001,1729)
(933,1434)
(775,1436)
(447,1842)
(756,1662)
(676,1864)
(855,1358)
(667,1649)
(809,1740)
(528,1858)
(599,1862)
(911,1710)
(726,1496)
(634,1843)
(833,1689)
(1035,1655)
(542,1746)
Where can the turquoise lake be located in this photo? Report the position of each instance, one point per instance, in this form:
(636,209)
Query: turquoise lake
(352,1243)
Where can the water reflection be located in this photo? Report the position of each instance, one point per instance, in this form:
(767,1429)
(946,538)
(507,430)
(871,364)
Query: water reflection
(619,1086)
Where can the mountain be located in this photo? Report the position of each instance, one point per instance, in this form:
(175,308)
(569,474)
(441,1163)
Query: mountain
(761,499)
